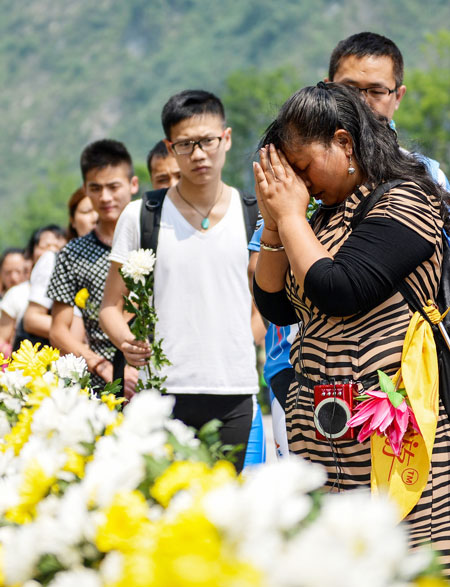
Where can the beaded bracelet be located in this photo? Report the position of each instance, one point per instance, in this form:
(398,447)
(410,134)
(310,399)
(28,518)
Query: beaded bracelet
(272,248)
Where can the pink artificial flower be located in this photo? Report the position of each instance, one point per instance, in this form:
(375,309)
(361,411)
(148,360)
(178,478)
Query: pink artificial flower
(379,415)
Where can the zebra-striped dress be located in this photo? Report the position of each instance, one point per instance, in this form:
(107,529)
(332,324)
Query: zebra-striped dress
(355,347)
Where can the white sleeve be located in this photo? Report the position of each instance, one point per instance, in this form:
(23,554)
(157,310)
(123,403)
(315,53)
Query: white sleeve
(441,178)
(127,235)
(15,300)
(40,278)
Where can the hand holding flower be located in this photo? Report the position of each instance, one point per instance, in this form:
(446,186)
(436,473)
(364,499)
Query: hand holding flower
(137,273)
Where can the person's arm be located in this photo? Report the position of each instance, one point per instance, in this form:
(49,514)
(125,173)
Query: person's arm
(114,322)
(62,337)
(37,320)
(7,329)
(77,328)
(257,323)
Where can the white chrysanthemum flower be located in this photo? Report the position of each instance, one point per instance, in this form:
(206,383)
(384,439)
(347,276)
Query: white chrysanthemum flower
(111,568)
(67,418)
(71,367)
(9,492)
(14,381)
(183,434)
(77,577)
(139,264)
(20,553)
(353,533)
(4,424)
(63,524)
(280,490)
(116,466)
(147,411)
(13,403)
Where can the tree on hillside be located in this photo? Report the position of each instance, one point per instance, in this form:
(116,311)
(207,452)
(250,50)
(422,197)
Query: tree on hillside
(252,99)
(424,117)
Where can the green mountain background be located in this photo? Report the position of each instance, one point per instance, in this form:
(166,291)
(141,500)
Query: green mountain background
(73,72)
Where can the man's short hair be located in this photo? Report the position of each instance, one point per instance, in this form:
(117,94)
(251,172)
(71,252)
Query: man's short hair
(365,45)
(187,104)
(102,153)
(159,150)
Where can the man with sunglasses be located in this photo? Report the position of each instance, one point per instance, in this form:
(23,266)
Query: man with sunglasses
(201,295)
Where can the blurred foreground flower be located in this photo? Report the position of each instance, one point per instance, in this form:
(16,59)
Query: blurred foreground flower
(93,497)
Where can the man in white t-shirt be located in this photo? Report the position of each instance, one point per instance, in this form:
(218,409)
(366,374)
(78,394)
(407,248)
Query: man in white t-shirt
(201,290)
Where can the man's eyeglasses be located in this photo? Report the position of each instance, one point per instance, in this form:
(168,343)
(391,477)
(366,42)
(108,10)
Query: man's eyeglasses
(207,144)
(377,92)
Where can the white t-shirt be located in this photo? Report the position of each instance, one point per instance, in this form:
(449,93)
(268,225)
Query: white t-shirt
(202,299)
(40,279)
(15,301)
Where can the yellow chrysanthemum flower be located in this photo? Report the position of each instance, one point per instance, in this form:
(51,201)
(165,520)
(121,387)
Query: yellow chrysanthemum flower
(189,552)
(430,582)
(81,298)
(3,360)
(25,356)
(2,564)
(40,389)
(35,485)
(20,433)
(32,361)
(125,518)
(112,401)
(75,463)
(117,422)
(138,565)
(45,357)
(196,476)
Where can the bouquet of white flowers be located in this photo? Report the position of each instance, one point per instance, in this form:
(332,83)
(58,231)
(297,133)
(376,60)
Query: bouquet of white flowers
(137,273)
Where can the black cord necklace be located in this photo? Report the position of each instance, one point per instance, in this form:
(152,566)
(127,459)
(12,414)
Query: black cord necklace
(205,217)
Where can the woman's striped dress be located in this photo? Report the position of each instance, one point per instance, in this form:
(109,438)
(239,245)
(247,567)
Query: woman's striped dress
(355,347)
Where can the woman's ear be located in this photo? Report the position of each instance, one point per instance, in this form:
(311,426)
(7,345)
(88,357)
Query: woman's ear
(344,140)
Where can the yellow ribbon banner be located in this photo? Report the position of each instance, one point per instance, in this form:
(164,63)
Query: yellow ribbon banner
(405,476)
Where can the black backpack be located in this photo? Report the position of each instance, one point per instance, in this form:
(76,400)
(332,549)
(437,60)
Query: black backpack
(151,216)
(442,298)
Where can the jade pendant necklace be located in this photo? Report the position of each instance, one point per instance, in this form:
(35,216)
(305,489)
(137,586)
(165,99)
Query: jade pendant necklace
(205,217)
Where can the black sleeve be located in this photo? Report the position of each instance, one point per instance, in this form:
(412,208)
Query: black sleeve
(369,266)
(275,307)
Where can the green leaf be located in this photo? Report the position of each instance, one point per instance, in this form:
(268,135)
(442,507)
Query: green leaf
(386,383)
(395,398)
(114,387)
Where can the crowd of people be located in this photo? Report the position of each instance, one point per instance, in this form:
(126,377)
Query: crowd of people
(328,289)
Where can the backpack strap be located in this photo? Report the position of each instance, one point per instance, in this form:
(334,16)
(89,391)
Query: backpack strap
(150,218)
(250,211)
(371,200)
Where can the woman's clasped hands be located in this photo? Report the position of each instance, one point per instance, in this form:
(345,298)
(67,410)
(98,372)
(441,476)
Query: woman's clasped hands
(281,192)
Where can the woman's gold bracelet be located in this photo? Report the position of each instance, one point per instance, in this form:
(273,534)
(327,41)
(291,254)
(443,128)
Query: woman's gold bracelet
(272,248)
